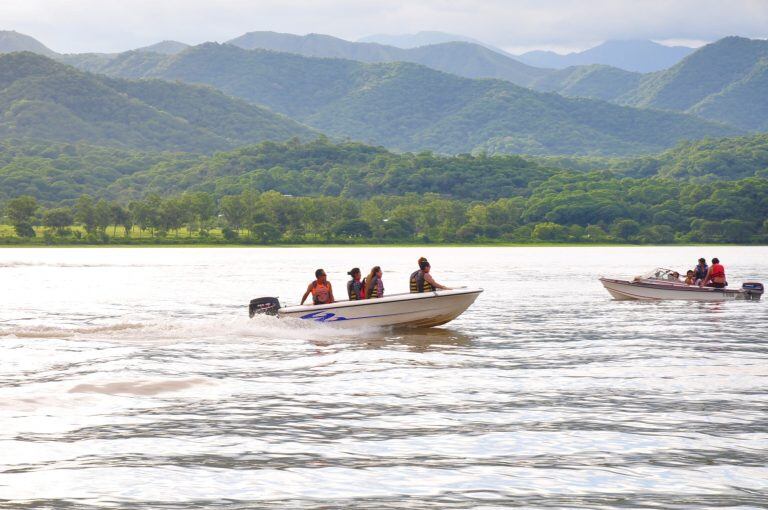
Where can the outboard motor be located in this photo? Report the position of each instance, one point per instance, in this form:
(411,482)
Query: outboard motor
(265,305)
(752,290)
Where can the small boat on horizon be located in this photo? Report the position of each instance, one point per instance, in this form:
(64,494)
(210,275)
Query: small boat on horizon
(411,310)
(659,284)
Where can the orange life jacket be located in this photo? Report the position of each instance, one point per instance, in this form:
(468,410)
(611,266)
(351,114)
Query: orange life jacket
(321,293)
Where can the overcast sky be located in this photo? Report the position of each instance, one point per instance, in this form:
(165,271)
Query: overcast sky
(515,25)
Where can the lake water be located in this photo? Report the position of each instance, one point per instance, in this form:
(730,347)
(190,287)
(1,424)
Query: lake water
(133,378)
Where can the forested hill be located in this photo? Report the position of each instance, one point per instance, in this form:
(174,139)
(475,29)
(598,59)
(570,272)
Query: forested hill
(43,99)
(410,107)
(726,81)
(56,173)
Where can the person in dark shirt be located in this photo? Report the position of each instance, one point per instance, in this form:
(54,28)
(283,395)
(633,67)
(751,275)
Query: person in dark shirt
(700,271)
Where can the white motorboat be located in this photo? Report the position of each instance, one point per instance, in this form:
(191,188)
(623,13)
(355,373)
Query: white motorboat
(422,310)
(660,284)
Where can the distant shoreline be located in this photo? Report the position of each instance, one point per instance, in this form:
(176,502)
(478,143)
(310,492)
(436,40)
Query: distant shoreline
(393,245)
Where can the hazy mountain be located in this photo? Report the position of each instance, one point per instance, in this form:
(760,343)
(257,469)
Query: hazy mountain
(595,81)
(461,58)
(43,99)
(11,41)
(165,47)
(638,56)
(423,38)
(410,107)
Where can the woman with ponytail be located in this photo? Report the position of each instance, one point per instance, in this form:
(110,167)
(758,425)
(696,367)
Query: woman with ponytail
(355,287)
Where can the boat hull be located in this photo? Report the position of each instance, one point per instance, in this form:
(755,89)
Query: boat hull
(623,290)
(401,310)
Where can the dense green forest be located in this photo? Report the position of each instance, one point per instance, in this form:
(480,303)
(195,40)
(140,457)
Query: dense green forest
(57,174)
(320,192)
(439,112)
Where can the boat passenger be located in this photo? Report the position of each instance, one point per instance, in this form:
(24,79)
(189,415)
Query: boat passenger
(715,276)
(321,290)
(374,285)
(674,276)
(422,281)
(690,277)
(355,287)
(700,271)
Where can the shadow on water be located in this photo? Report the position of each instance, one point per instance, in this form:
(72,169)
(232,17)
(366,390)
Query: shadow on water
(421,340)
(415,340)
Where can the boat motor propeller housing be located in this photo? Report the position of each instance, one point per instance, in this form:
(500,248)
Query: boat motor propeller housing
(753,290)
(265,305)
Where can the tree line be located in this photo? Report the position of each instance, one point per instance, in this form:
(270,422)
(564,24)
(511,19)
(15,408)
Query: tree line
(595,207)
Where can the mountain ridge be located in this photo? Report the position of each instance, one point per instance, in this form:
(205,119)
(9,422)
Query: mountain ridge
(467,59)
(441,112)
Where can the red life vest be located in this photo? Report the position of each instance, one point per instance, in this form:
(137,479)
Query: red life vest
(718,271)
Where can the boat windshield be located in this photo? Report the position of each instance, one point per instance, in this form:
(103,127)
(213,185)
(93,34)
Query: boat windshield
(660,273)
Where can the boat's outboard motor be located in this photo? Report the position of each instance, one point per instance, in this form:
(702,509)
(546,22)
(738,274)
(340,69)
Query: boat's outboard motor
(265,305)
(752,290)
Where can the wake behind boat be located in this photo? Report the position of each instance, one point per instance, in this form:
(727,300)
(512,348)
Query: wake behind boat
(414,310)
(660,285)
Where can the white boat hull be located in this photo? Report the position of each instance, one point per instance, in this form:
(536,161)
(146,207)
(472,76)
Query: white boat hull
(623,290)
(402,310)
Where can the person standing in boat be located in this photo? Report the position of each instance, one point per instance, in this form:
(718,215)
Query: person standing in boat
(715,276)
(355,287)
(422,281)
(374,285)
(321,290)
(700,271)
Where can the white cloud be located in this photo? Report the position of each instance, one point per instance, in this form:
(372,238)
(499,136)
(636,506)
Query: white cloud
(115,25)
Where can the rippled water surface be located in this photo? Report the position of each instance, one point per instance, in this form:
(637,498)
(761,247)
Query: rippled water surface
(133,378)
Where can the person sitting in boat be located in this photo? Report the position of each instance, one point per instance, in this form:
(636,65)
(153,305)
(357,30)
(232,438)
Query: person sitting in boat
(355,286)
(690,277)
(374,285)
(674,276)
(321,290)
(422,281)
(700,271)
(715,277)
